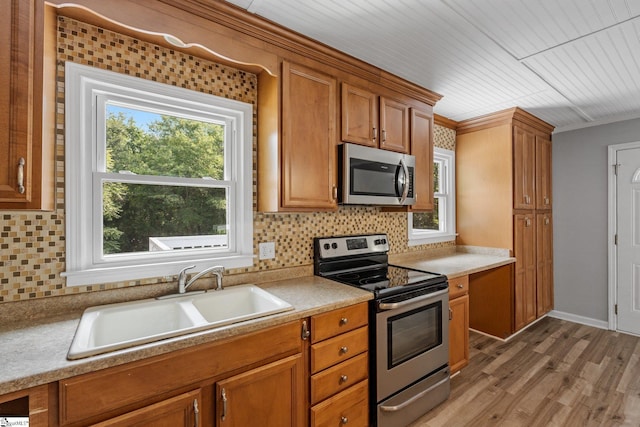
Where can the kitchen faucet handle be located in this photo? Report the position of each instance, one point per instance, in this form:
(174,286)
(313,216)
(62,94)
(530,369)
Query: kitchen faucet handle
(182,276)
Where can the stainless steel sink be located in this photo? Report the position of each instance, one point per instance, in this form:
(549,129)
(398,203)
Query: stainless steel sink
(117,326)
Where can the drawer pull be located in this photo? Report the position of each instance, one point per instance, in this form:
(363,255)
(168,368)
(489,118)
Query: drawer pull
(196,413)
(344,321)
(21,175)
(344,349)
(460,286)
(344,420)
(343,379)
(306,333)
(224,405)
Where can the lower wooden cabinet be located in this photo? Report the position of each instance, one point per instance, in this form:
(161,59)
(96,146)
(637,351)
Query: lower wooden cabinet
(182,410)
(33,403)
(262,373)
(271,394)
(491,301)
(351,407)
(525,269)
(339,367)
(458,323)
(544,262)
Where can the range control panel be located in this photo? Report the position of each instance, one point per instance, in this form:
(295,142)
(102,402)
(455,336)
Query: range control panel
(335,247)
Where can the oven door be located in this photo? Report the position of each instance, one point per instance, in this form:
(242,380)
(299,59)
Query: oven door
(412,340)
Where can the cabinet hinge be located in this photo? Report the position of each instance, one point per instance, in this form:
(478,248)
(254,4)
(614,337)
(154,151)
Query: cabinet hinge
(615,168)
(615,308)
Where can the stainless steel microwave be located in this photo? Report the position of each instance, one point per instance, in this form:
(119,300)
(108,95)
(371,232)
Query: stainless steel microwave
(370,176)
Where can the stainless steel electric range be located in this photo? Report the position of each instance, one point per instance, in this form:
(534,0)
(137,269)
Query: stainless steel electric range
(408,323)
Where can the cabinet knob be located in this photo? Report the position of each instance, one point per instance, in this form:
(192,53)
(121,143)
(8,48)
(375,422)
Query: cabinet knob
(344,420)
(460,286)
(21,175)
(344,321)
(344,349)
(343,379)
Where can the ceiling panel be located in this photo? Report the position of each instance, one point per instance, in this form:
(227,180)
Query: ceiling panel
(571,62)
(599,74)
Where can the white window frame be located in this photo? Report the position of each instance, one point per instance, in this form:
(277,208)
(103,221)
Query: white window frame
(87,90)
(447,204)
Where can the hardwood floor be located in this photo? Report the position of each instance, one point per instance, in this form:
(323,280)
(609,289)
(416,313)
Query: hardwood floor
(556,373)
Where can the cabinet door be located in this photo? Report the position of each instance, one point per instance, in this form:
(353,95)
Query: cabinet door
(458,333)
(16,99)
(183,410)
(524,152)
(422,149)
(270,395)
(544,259)
(394,125)
(308,139)
(543,173)
(26,160)
(525,274)
(359,116)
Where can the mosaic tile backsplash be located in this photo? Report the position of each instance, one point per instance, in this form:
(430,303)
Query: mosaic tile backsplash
(32,244)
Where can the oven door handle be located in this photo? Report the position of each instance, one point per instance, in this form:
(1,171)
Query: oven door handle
(408,402)
(394,305)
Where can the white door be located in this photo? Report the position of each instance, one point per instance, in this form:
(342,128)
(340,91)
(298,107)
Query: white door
(628,231)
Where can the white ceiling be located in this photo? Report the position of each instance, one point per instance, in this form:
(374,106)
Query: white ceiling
(573,63)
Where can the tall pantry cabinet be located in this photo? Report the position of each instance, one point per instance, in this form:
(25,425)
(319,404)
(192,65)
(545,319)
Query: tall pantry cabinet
(503,167)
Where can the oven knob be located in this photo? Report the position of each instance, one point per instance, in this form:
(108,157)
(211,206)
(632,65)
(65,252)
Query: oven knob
(326,246)
(334,245)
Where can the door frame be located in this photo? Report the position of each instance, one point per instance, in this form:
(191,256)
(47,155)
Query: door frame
(612,228)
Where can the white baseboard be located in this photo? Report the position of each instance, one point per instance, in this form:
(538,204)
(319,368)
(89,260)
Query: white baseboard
(579,319)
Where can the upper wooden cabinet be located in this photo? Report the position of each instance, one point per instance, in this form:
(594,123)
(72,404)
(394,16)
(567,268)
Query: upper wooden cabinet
(422,149)
(524,168)
(375,121)
(297,172)
(543,172)
(26,168)
(359,116)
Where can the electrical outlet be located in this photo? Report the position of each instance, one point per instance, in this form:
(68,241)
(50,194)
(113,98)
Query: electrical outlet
(267,250)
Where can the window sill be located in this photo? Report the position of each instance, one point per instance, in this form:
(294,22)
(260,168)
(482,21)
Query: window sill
(111,274)
(424,240)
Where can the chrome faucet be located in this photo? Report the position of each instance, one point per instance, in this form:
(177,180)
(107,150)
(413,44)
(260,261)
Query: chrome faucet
(183,285)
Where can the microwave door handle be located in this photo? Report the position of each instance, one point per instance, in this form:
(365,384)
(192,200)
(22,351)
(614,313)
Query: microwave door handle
(405,182)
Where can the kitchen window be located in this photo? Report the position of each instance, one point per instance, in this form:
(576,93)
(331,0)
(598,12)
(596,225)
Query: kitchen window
(439,225)
(157,178)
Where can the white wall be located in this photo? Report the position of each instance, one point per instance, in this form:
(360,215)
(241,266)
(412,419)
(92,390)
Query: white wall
(580,173)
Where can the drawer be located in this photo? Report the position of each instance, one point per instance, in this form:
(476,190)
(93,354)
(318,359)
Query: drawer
(458,286)
(338,321)
(351,407)
(335,350)
(337,378)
